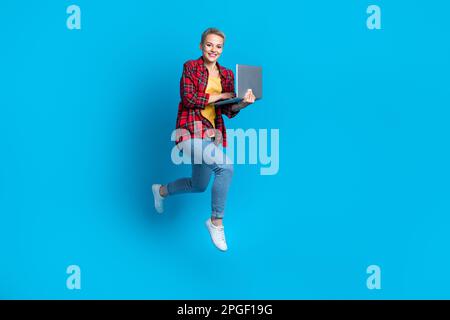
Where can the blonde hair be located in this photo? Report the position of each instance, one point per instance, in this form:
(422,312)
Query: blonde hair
(212,31)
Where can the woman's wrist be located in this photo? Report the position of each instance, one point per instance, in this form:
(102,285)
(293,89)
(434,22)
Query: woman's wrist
(238,106)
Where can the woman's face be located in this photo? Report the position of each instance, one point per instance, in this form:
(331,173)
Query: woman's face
(212,48)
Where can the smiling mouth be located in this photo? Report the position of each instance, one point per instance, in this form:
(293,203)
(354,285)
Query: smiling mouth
(212,54)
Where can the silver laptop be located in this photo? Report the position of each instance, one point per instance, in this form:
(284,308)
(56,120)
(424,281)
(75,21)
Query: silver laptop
(247,77)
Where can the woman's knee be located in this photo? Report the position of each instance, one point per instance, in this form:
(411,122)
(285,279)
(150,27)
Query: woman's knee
(226,169)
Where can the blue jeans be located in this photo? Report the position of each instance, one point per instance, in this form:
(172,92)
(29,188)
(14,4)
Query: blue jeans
(206,158)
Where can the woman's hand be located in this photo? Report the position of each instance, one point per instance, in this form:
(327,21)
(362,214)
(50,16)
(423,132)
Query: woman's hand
(222,96)
(227,95)
(249,98)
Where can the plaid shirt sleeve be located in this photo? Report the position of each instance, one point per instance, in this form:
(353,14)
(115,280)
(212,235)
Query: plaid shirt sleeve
(190,95)
(226,110)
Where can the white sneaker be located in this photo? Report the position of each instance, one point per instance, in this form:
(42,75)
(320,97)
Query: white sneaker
(217,235)
(159,205)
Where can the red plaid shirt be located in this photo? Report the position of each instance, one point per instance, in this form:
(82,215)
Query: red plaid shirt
(190,121)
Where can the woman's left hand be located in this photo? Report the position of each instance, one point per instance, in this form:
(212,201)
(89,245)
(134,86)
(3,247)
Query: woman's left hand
(249,97)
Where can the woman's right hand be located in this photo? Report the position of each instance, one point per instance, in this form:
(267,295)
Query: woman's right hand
(227,95)
(223,96)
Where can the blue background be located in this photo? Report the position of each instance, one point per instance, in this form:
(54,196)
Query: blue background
(85,124)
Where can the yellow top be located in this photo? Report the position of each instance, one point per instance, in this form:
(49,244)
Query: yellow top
(214,87)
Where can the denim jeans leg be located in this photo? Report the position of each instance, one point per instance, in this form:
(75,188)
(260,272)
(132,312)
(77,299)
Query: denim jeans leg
(212,160)
(222,167)
(199,180)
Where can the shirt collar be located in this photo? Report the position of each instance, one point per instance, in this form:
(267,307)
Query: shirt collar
(201,63)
